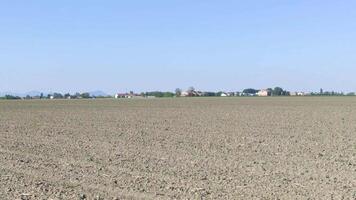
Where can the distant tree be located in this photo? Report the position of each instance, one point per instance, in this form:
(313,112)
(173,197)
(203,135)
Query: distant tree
(28,97)
(321,91)
(278,91)
(269,91)
(191,89)
(159,94)
(103,97)
(67,95)
(168,94)
(11,97)
(178,92)
(250,91)
(76,95)
(57,95)
(41,96)
(210,94)
(85,95)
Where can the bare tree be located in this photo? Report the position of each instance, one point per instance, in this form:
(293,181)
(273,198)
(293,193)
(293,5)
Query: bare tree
(191,89)
(178,92)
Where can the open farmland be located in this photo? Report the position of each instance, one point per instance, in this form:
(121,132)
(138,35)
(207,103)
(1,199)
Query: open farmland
(185,148)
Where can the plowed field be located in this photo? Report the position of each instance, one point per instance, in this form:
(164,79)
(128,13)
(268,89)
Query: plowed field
(183,148)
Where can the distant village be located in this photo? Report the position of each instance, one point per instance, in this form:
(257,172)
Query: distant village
(250,92)
(190,92)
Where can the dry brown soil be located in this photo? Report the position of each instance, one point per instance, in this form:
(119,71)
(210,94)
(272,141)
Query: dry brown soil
(185,148)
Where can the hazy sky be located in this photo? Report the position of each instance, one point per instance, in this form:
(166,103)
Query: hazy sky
(113,45)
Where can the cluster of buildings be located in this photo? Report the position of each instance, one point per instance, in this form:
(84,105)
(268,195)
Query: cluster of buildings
(300,93)
(196,94)
(193,93)
(124,95)
(127,96)
(266,93)
(224,94)
(247,92)
(131,95)
(209,94)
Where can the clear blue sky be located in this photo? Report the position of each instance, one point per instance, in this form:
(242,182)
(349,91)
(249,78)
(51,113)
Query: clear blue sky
(114,46)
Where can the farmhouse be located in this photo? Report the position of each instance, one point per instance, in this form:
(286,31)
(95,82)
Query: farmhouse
(263,93)
(130,95)
(297,94)
(191,94)
(185,94)
(122,95)
(224,94)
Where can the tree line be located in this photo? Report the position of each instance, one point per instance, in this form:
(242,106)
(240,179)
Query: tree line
(277,91)
(56,95)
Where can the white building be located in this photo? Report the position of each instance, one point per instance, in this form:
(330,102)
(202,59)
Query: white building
(223,94)
(185,94)
(118,96)
(297,94)
(263,93)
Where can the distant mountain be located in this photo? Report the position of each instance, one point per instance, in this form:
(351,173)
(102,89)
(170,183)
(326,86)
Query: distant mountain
(98,93)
